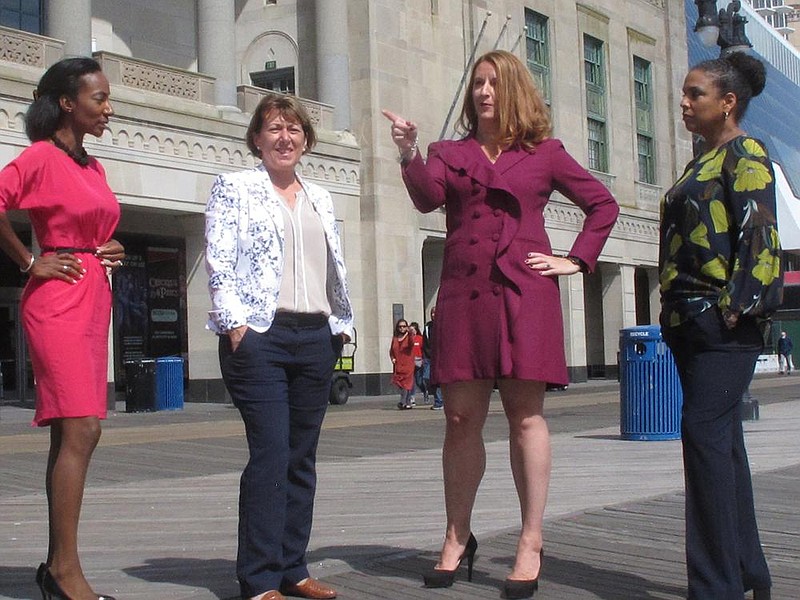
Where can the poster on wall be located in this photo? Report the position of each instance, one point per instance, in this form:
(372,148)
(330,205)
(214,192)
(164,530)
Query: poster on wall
(163,283)
(149,302)
(131,330)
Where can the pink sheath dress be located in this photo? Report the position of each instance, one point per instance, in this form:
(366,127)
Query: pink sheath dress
(66,325)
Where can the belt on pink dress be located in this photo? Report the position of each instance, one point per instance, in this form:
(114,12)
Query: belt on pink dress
(68,250)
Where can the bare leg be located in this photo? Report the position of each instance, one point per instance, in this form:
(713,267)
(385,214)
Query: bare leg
(529,445)
(72,442)
(463,461)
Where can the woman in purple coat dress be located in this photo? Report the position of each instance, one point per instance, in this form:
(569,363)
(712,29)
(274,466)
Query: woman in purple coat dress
(498,301)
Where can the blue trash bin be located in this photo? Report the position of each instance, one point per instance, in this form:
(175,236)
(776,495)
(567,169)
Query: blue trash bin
(169,383)
(650,389)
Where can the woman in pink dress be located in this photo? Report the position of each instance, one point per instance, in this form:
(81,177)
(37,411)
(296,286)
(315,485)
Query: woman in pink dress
(66,304)
(498,311)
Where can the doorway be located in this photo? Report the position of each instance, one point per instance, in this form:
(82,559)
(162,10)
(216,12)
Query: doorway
(15,371)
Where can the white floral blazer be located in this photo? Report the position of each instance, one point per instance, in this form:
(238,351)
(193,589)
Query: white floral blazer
(244,252)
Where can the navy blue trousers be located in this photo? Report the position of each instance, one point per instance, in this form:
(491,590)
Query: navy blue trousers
(723,552)
(280,382)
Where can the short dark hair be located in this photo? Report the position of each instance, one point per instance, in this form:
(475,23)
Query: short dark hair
(290,109)
(61,79)
(738,73)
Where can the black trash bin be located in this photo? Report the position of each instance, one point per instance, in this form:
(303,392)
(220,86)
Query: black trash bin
(140,385)
(650,390)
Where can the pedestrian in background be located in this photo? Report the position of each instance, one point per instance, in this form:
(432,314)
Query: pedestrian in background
(281,309)
(419,372)
(427,351)
(785,346)
(720,272)
(499,304)
(66,303)
(401,352)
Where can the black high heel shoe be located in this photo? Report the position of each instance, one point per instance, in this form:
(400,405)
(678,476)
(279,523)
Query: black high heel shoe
(440,578)
(52,591)
(40,578)
(515,589)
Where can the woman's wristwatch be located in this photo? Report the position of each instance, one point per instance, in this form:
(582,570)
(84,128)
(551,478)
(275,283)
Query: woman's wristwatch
(578,262)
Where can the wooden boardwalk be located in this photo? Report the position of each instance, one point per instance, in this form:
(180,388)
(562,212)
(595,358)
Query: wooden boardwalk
(160,511)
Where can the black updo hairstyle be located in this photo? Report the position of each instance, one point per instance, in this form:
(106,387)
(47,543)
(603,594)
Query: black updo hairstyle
(61,79)
(739,73)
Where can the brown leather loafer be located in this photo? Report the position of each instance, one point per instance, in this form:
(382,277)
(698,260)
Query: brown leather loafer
(272,595)
(309,588)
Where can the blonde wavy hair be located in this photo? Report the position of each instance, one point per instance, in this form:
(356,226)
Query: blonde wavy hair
(524,118)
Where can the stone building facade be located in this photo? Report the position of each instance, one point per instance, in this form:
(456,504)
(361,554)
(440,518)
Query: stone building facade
(186,73)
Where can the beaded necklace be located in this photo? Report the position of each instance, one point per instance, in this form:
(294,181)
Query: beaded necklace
(80,157)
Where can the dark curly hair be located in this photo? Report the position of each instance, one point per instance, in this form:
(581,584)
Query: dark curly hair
(739,73)
(61,79)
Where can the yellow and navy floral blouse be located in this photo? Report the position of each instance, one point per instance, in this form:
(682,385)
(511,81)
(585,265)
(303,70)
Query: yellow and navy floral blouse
(719,237)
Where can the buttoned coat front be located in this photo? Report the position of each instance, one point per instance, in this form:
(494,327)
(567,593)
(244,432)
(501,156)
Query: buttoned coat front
(496,317)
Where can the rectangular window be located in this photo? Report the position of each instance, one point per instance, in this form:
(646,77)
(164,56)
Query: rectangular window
(595,81)
(276,80)
(537,43)
(25,15)
(643,99)
(598,152)
(644,146)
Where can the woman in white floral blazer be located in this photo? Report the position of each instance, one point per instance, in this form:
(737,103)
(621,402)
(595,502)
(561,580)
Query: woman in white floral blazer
(281,309)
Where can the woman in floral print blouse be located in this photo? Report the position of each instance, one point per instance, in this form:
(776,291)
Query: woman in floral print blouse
(281,310)
(720,271)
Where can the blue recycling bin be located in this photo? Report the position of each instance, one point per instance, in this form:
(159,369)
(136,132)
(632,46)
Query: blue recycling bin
(154,384)
(650,389)
(169,383)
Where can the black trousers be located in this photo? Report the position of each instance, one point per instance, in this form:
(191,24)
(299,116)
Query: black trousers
(723,552)
(280,381)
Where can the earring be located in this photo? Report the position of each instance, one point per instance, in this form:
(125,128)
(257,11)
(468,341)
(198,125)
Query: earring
(725,114)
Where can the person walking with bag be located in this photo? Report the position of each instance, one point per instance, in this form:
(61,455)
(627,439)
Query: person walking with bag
(785,346)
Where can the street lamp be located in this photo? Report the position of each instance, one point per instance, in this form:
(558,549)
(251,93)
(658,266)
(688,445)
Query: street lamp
(726,28)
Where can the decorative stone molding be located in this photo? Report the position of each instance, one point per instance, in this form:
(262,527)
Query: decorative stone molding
(321,115)
(161,79)
(561,213)
(607,179)
(630,227)
(27,49)
(648,197)
(657,3)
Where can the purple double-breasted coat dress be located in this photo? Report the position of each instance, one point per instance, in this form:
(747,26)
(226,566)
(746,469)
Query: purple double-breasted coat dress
(496,317)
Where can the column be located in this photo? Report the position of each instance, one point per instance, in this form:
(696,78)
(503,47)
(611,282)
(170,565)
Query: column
(216,54)
(619,306)
(573,309)
(71,21)
(333,69)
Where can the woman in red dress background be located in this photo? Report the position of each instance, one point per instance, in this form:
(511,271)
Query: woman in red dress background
(402,354)
(66,304)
